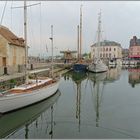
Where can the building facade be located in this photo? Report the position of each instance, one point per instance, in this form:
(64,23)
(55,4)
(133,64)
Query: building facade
(12,51)
(134,48)
(69,56)
(107,50)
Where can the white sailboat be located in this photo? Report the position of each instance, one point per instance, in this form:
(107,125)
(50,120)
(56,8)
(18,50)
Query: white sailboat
(33,90)
(97,65)
(9,123)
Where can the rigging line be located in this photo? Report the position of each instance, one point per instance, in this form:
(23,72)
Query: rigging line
(40,28)
(29,22)
(3,13)
(31,29)
(11,14)
(26,6)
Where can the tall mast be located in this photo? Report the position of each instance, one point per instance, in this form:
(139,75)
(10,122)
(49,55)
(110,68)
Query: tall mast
(80,32)
(25,37)
(99,34)
(78,42)
(51,38)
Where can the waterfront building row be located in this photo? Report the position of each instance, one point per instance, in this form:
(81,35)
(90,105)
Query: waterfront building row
(113,50)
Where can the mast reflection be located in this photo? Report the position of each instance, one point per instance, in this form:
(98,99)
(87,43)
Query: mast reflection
(98,86)
(77,78)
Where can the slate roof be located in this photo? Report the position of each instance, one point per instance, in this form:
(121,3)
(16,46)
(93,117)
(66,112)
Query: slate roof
(107,43)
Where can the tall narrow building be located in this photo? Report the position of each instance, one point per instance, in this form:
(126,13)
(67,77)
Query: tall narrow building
(134,48)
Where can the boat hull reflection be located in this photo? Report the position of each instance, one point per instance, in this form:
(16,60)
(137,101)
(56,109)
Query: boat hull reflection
(10,122)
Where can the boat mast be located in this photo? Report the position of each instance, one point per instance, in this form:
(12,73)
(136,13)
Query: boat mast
(51,38)
(25,37)
(99,35)
(78,42)
(80,32)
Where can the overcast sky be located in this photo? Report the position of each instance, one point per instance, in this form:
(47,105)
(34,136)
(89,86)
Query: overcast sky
(120,22)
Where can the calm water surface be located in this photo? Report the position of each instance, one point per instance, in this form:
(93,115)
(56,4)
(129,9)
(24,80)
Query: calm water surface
(86,106)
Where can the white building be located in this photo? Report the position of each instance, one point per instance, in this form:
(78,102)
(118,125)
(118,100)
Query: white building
(108,50)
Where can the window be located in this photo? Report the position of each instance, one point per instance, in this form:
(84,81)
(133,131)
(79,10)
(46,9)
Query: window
(114,49)
(109,49)
(100,55)
(4,61)
(106,55)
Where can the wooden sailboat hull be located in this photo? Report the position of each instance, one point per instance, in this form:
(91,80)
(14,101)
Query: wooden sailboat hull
(12,102)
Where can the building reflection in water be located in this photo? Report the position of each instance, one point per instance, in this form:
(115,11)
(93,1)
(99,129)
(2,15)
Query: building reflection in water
(134,76)
(26,118)
(113,74)
(97,92)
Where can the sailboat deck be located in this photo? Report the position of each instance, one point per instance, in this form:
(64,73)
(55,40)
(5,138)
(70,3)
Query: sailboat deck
(32,85)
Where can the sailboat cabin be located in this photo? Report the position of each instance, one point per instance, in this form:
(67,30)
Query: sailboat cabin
(12,51)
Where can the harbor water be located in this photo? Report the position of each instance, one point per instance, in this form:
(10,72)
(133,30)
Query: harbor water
(87,105)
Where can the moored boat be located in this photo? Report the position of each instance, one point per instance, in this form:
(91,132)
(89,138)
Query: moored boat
(97,66)
(25,95)
(33,90)
(79,66)
(10,122)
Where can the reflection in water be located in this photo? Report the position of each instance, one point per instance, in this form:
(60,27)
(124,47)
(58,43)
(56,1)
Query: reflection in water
(98,85)
(113,74)
(26,131)
(134,76)
(77,78)
(98,80)
(51,132)
(114,123)
(9,123)
(89,107)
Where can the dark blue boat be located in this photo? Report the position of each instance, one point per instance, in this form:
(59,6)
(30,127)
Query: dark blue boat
(79,67)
